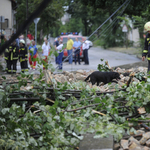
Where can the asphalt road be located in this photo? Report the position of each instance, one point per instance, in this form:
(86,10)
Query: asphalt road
(96,53)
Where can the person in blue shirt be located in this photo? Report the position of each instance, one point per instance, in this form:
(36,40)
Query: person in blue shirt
(77,46)
(33,55)
(56,45)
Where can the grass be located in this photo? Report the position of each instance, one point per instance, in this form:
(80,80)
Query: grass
(129,50)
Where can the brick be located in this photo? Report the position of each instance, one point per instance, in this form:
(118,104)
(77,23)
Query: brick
(145,137)
(133,145)
(148,143)
(139,132)
(132,139)
(124,144)
(141,110)
(143,140)
(145,148)
(116,146)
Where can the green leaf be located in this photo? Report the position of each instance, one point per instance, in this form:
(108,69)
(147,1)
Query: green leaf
(5,110)
(72,126)
(32,141)
(41,138)
(4,77)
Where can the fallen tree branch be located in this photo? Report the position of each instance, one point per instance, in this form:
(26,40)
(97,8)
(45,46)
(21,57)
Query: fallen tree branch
(25,99)
(82,107)
(46,98)
(113,118)
(141,121)
(97,112)
(135,136)
(145,126)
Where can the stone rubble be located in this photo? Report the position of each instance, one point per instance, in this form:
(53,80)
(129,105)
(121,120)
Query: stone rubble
(134,143)
(80,75)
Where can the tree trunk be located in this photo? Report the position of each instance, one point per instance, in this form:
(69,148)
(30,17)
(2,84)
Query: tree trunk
(41,36)
(85,27)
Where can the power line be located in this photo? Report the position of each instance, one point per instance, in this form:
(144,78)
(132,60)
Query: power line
(108,18)
(113,22)
(97,29)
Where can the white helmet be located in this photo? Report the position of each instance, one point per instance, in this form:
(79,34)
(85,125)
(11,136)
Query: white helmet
(22,41)
(147,26)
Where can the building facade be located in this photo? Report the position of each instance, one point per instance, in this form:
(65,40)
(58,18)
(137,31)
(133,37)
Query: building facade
(7,9)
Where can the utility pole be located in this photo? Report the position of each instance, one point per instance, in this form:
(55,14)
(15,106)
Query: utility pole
(26,19)
(2,20)
(36,20)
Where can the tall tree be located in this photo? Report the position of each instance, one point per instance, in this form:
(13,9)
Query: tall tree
(49,18)
(79,11)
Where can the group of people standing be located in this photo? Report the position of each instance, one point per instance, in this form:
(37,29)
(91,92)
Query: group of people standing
(77,47)
(14,53)
(19,52)
(72,47)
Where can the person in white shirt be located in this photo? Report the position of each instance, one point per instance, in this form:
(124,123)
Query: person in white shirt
(45,53)
(85,48)
(59,49)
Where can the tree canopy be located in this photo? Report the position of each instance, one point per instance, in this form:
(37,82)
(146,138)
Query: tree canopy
(49,18)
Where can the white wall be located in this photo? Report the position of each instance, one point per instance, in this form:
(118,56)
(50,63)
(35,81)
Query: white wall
(134,36)
(6,11)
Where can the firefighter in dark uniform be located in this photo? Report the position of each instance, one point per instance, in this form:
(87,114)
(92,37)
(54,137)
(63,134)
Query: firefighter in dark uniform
(146,51)
(13,52)
(15,56)
(6,53)
(23,56)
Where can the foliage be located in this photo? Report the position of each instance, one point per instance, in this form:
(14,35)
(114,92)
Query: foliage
(140,75)
(94,13)
(48,19)
(63,124)
(103,67)
(110,39)
(134,8)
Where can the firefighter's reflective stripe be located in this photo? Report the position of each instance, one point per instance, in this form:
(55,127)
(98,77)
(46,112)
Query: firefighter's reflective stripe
(11,56)
(148,58)
(145,51)
(14,50)
(9,70)
(14,70)
(15,58)
(22,59)
(6,58)
(22,49)
(26,70)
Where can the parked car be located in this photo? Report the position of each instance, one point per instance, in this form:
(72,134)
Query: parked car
(64,38)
